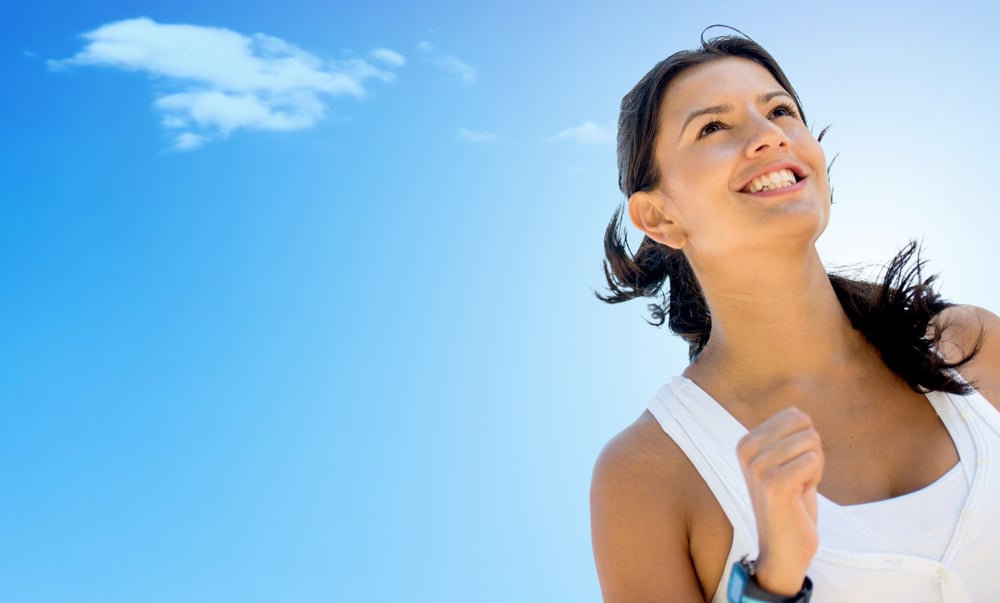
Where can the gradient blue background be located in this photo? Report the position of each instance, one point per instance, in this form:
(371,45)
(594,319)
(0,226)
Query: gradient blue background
(362,361)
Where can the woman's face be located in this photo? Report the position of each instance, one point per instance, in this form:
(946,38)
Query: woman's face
(739,170)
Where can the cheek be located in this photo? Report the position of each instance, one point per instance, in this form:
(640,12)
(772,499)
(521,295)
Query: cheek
(701,170)
(809,147)
(696,175)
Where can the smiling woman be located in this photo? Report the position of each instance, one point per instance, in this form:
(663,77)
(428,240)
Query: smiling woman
(828,435)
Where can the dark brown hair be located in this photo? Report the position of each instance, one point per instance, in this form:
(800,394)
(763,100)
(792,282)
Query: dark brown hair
(893,315)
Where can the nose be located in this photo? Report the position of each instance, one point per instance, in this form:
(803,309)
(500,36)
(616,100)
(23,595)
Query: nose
(765,135)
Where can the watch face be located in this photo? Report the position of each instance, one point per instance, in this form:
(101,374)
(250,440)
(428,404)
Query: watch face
(737,583)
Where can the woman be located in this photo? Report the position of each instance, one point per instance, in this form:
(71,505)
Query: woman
(821,440)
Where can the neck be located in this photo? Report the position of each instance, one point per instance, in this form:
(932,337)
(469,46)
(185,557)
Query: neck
(775,323)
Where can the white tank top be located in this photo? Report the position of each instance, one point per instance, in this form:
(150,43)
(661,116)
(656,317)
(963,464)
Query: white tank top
(938,544)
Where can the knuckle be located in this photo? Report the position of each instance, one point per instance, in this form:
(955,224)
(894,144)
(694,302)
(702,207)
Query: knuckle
(745,449)
(803,418)
(816,458)
(758,469)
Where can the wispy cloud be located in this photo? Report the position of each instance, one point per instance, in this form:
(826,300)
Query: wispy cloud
(453,65)
(588,132)
(389,57)
(212,81)
(478,137)
(187,141)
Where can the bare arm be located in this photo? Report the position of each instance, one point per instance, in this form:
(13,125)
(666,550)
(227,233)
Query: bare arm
(639,523)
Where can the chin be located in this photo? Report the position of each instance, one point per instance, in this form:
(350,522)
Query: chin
(797,226)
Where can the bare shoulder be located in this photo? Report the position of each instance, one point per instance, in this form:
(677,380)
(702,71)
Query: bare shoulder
(964,327)
(641,499)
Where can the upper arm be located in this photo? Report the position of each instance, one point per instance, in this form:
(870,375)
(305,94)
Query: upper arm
(963,328)
(639,525)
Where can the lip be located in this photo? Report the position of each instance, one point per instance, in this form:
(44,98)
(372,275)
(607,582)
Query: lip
(798,170)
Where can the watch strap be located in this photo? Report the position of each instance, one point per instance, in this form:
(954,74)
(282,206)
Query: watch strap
(743,587)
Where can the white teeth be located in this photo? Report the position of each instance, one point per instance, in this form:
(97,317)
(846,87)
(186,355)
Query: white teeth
(771,181)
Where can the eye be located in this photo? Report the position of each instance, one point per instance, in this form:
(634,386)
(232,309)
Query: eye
(710,128)
(784,110)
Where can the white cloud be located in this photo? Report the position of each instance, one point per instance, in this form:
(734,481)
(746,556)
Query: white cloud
(215,80)
(389,57)
(188,141)
(227,112)
(453,65)
(472,136)
(588,131)
(361,70)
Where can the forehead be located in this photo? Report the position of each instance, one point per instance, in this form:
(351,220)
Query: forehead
(731,80)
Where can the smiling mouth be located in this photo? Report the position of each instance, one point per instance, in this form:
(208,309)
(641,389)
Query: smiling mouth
(771,181)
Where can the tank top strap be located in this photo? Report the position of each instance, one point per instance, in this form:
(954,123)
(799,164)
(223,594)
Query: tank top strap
(708,434)
(954,412)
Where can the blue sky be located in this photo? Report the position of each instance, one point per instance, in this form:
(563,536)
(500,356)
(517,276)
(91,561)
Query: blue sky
(297,297)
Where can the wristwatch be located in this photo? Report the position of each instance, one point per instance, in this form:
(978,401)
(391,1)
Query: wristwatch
(743,587)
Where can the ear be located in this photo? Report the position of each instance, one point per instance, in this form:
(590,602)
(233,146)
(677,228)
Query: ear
(648,213)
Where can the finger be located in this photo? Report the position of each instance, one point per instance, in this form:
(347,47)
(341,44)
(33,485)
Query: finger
(779,452)
(793,477)
(785,421)
(781,424)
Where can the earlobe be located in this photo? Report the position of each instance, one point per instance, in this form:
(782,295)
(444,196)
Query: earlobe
(647,213)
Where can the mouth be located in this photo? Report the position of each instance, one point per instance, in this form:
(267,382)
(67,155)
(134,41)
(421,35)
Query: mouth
(782,178)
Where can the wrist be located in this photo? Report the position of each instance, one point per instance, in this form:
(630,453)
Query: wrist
(744,588)
(772,579)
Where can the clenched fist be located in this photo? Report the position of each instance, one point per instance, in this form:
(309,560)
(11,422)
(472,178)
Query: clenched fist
(782,462)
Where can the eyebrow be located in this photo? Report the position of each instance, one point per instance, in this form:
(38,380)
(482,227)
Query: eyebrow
(722,109)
